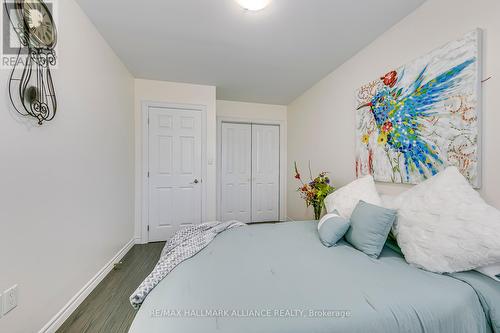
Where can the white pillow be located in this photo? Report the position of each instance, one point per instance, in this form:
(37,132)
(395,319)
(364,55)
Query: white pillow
(345,199)
(444,226)
(493,271)
(387,201)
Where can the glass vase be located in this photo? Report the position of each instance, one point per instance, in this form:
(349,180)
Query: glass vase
(318,209)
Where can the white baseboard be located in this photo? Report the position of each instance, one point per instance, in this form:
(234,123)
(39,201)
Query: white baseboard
(56,321)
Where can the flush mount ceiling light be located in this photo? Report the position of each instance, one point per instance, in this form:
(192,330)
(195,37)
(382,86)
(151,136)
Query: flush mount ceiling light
(253,5)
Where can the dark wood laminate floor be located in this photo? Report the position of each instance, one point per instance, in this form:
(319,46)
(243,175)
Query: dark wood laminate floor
(107,308)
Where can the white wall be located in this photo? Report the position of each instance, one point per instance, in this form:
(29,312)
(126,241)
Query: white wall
(177,93)
(322,121)
(66,188)
(251,110)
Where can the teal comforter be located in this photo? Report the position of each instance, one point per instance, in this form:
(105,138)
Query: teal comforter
(281,279)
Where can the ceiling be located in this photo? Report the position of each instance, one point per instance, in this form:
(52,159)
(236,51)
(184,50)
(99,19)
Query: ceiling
(271,56)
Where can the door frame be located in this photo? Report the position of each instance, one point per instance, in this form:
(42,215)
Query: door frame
(283,159)
(145,105)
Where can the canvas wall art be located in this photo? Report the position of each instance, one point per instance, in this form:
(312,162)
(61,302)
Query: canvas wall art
(420,118)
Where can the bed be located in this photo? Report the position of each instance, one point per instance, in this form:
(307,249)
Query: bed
(279,278)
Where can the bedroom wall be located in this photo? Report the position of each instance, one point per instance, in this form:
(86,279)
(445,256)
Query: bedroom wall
(321,123)
(256,111)
(178,93)
(66,189)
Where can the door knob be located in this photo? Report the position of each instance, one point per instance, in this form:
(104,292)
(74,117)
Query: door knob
(196,181)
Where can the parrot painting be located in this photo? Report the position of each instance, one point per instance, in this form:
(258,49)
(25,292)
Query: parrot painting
(402,112)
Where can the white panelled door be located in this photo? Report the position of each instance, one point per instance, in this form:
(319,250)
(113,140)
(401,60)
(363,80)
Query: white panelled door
(265,173)
(250,172)
(175,170)
(236,173)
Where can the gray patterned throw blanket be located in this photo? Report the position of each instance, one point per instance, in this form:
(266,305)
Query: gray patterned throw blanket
(183,245)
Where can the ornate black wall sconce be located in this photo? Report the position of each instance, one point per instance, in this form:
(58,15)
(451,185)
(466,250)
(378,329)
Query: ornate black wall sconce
(31,89)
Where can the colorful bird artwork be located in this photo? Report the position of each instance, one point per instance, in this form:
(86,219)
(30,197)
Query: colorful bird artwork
(408,122)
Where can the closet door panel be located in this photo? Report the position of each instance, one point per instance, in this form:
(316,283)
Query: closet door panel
(265,173)
(236,173)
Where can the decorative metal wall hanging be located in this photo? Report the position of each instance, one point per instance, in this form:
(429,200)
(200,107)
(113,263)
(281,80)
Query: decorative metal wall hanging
(31,88)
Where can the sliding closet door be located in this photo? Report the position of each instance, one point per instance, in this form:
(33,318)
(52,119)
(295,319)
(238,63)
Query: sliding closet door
(265,173)
(236,172)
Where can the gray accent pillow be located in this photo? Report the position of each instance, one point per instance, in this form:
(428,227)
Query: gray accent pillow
(370,226)
(331,228)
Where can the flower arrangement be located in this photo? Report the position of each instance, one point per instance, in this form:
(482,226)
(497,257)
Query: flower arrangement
(315,191)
